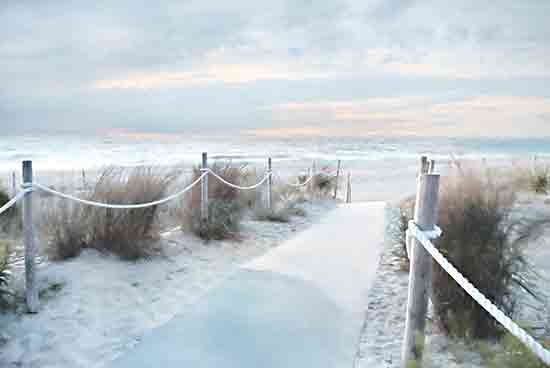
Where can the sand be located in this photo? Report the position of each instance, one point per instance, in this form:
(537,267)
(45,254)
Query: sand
(105,305)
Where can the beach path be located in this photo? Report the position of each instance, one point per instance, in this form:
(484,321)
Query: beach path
(300,305)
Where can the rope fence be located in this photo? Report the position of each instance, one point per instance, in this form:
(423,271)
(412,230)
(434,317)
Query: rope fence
(421,251)
(28,186)
(424,238)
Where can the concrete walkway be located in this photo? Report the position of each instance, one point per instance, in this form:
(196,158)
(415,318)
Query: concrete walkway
(301,305)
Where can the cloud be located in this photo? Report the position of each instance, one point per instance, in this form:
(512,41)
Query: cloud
(120,63)
(417,115)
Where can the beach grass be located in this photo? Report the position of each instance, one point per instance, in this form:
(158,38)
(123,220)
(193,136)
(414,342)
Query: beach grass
(128,233)
(481,240)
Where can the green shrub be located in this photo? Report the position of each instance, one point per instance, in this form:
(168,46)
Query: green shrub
(225,204)
(131,234)
(480,240)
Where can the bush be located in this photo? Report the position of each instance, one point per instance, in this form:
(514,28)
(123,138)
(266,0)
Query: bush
(480,240)
(225,204)
(130,234)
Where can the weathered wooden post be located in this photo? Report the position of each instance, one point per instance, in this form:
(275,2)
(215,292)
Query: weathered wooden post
(431,167)
(425,215)
(31,286)
(313,183)
(337,179)
(84,184)
(204,190)
(13,184)
(269,185)
(348,189)
(424,165)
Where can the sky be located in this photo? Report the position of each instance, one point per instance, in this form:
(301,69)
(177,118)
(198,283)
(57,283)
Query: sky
(278,67)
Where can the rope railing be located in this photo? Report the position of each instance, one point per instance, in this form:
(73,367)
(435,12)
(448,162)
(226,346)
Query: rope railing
(423,238)
(119,206)
(14,200)
(28,186)
(235,186)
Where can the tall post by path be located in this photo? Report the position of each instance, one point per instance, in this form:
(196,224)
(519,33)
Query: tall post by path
(424,165)
(337,179)
(31,287)
(431,167)
(425,216)
(348,189)
(84,184)
(13,184)
(204,189)
(269,184)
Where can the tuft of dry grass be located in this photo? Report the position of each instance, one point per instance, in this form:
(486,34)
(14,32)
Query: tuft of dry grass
(225,204)
(323,184)
(130,234)
(480,239)
(539,179)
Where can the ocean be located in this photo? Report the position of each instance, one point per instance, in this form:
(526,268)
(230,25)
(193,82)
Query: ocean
(382,164)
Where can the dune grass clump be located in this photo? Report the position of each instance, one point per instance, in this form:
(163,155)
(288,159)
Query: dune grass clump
(225,204)
(323,184)
(480,239)
(539,180)
(128,233)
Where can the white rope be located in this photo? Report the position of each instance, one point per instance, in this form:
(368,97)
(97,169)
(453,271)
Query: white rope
(14,200)
(521,334)
(265,178)
(298,185)
(120,206)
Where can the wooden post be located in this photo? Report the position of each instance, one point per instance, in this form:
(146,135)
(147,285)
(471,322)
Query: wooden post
(13,184)
(337,179)
(424,165)
(431,167)
(204,190)
(31,287)
(425,215)
(269,185)
(309,186)
(314,181)
(84,184)
(348,189)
